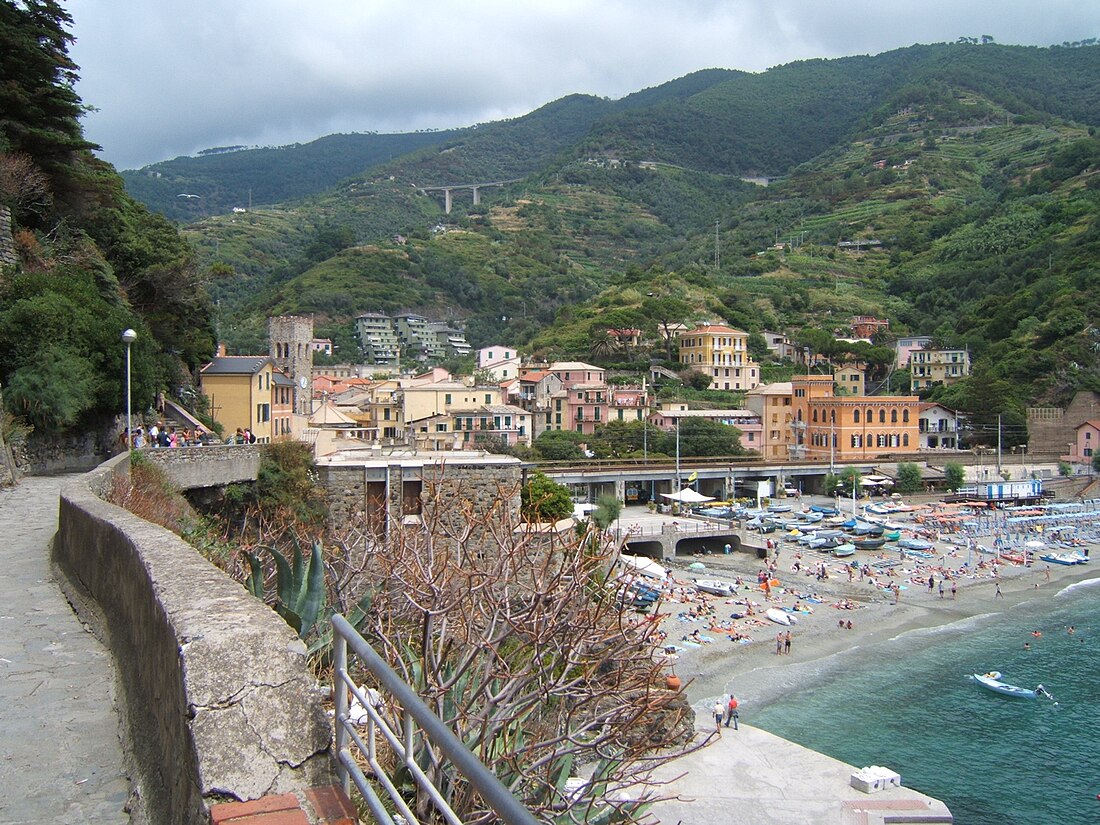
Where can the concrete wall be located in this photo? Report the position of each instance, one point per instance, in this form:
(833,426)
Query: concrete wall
(210,466)
(215,686)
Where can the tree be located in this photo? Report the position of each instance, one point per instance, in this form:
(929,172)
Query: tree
(607,510)
(1096,462)
(954,475)
(701,437)
(520,647)
(543,499)
(850,480)
(696,379)
(909,478)
(560,445)
(665,313)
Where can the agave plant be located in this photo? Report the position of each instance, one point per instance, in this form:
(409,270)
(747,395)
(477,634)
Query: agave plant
(299,586)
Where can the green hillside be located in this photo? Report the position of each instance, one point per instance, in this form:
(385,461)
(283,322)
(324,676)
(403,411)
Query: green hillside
(971,168)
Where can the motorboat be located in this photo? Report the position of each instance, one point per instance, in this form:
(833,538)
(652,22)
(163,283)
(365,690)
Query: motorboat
(715,587)
(893,535)
(780,508)
(992,681)
(846,549)
(825,511)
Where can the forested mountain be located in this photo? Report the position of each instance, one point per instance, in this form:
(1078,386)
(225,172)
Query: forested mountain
(91,261)
(972,167)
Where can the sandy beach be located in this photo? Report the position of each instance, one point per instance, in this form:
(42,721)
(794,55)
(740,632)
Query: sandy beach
(750,668)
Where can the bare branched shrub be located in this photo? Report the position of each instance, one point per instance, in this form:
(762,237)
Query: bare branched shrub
(23,186)
(147,492)
(518,640)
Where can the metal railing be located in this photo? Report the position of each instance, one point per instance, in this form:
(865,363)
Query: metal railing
(413,713)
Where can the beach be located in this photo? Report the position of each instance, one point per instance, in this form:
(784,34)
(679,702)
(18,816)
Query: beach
(754,672)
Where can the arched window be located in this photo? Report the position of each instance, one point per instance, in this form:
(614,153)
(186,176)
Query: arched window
(905,417)
(855,414)
(815,415)
(832,416)
(894,416)
(905,440)
(882,416)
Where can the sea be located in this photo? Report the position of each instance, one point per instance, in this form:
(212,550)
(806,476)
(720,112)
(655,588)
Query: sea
(994,760)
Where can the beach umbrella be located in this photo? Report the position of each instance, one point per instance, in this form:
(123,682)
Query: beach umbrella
(1034,544)
(698,566)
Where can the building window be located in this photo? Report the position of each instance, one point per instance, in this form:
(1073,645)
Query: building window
(893,416)
(855,416)
(905,439)
(447,398)
(882,416)
(905,416)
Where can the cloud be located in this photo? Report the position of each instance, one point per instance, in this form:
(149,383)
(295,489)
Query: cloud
(170,79)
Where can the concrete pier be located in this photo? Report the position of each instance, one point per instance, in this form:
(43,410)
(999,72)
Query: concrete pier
(751,776)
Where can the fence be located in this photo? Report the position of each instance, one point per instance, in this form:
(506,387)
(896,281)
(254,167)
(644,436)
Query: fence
(412,712)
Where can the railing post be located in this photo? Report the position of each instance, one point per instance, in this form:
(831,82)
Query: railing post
(340,698)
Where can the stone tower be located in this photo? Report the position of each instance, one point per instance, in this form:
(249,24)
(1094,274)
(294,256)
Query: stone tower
(290,338)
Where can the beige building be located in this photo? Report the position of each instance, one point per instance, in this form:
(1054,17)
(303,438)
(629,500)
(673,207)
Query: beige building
(928,367)
(722,353)
(773,404)
(849,380)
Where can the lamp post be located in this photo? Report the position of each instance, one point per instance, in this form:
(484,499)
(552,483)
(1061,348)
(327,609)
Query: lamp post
(128,337)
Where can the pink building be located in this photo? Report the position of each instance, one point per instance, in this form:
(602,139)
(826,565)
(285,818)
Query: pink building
(1087,443)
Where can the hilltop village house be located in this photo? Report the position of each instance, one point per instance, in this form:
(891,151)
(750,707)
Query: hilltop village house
(721,353)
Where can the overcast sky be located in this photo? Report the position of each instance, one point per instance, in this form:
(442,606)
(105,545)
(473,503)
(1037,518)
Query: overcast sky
(171,78)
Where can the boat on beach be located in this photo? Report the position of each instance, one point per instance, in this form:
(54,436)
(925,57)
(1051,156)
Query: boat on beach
(846,549)
(992,681)
(778,616)
(868,543)
(914,544)
(1063,558)
(715,587)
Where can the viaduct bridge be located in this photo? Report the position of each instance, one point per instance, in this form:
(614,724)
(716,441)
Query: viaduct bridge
(449,188)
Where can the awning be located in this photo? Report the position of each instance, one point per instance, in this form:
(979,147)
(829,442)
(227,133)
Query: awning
(687,496)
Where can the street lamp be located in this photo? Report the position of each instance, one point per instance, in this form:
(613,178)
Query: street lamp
(128,337)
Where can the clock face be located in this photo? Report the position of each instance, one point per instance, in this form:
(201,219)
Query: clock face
(302,382)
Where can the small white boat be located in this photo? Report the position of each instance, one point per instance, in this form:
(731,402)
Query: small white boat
(778,616)
(715,587)
(992,681)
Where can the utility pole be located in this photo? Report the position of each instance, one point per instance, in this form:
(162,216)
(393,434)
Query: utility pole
(716,251)
(998,445)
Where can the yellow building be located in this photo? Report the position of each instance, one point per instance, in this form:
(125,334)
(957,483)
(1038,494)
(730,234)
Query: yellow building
(722,353)
(241,391)
(446,398)
(849,380)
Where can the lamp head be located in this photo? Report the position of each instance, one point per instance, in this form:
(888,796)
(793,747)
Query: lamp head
(129,336)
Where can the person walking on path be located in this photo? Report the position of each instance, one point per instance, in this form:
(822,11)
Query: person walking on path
(731,712)
(62,756)
(719,712)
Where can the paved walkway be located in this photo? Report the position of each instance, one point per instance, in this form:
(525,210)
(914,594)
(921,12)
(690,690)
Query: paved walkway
(60,757)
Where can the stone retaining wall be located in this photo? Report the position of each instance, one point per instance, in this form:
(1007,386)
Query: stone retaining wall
(217,694)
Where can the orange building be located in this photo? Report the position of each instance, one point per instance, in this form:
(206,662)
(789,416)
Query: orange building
(803,420)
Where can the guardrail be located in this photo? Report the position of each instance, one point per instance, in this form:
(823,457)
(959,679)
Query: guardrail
(413,712)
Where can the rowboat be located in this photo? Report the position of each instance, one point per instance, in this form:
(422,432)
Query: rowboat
(715,587)
(894,535)
(992,681)
(914,544)
(846,549)
(868,544)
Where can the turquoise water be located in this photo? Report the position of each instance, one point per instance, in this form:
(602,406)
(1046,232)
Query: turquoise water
(992,759)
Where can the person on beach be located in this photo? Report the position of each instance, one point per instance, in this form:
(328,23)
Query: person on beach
(998,594)
(719,712)
(731,712)
(954,588)
(779,644)
(931,583)
(941,588)
(787,643)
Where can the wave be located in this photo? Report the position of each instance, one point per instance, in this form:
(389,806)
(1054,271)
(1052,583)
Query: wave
(1069,588)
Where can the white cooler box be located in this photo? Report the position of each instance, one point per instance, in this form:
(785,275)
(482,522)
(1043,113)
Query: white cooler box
(874,779)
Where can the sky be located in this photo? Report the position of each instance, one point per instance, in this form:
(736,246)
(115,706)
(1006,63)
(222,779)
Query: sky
(171,78)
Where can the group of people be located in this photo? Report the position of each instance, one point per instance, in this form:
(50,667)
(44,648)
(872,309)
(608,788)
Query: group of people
(159,436)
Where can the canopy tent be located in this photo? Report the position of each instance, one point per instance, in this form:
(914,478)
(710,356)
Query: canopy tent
(687,496)
(871,481)
(640,564)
